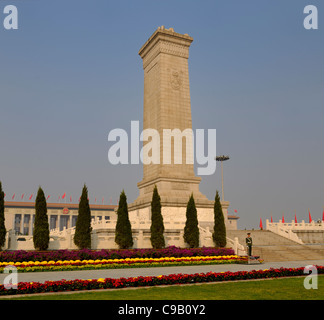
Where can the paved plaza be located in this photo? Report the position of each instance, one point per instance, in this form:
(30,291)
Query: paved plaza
(155,271)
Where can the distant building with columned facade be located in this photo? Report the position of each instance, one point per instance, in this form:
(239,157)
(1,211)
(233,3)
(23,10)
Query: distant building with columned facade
(20,216)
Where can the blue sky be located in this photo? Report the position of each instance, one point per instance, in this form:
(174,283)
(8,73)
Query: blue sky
(71,73)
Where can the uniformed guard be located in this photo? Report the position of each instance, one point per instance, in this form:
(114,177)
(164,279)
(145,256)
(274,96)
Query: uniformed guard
(248,241)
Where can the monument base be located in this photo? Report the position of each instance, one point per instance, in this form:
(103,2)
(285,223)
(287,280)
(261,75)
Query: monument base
(174,214)
(174,192)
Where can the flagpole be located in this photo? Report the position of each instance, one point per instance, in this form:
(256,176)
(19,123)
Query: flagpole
(221,159)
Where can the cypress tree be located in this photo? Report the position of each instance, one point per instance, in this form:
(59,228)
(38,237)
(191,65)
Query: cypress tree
(157,227)
(41,226)
(82,236)
(2,219)
(219,234)
(191,231)
(123,232)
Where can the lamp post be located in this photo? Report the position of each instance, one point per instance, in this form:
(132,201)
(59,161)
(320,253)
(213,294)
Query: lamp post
(221,159)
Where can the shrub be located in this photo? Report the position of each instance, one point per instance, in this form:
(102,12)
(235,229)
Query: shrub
(157,227)
(82,237)
(2,219)
(191,231)
(41,227)
(123,234)
(219,234)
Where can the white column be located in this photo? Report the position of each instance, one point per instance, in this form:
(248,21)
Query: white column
(22,223)
(30,224)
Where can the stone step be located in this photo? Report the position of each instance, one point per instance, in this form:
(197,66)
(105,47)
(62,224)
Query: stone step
(272,247)
(259,237)
(288,253)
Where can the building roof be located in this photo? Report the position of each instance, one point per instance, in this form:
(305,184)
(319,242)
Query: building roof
(16,204)
(233,217)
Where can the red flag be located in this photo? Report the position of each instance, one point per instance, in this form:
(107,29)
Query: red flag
(31,197)
(271,220)
(323,215)
(310,217)
(63,195)
(261,226)
(47,197)
(95,200)
(22,196)
(283,219)
(295,218)
(235,210)
(13,197)
(103,199)
(70,199)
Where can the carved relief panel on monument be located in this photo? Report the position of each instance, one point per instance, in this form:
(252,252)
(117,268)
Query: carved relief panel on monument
(176,78)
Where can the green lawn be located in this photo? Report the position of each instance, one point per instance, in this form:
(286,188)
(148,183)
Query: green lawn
(273,289)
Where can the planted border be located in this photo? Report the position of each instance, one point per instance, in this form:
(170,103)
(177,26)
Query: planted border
(173,279)
(69,265)
(85,254)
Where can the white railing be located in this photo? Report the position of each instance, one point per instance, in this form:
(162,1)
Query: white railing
(301,226)
(238,248)
(286,230)
(205,237)
(174,230)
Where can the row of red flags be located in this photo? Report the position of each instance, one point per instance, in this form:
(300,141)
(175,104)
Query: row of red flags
(283,219)
(59,198)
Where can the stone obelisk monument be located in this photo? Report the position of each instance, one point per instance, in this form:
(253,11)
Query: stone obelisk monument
(167,106)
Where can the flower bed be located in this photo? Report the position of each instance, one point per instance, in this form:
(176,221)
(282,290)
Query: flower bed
(174,279)
(66,265)
(85,254)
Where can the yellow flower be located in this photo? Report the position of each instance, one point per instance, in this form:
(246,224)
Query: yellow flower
(101,280)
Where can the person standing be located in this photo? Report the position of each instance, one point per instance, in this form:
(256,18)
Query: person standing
(248,241)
